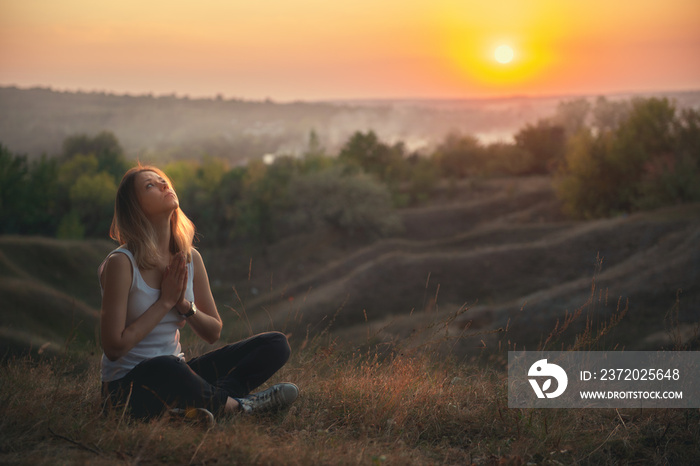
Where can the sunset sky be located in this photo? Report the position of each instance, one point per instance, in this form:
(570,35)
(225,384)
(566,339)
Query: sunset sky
(316,49)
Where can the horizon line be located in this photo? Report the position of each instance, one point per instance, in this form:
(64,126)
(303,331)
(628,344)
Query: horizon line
(347,100)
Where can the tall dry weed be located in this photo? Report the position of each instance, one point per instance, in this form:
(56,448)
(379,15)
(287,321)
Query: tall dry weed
(377,401)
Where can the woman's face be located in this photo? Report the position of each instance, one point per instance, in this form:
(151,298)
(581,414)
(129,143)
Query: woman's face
(155,195)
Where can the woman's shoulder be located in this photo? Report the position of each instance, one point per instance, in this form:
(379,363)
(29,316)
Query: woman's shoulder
(120,255)
(116,265)
(121,249)
(120,260)
(197,262)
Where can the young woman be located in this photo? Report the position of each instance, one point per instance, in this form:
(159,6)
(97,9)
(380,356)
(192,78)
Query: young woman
(154,284)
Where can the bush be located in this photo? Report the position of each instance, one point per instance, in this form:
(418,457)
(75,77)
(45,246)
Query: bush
(546,144)
(28,192)
(373,156)
(92,199)
(507,159)
(460,156)
(587,185)
(423,175)
(104,146)
(352,204)
(648,160)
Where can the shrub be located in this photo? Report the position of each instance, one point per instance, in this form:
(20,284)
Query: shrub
(545,142)
(649,159)
(28,192)
(352,204)
(460,156)
(373,156)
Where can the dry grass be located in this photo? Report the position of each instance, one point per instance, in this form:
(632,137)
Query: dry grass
(359,405)
(381,398)
(388,395)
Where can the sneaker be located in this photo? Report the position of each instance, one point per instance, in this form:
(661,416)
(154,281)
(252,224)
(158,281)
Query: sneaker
(277,397)
(196,415)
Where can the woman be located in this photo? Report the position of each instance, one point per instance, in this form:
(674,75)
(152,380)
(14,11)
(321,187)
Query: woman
(154,284)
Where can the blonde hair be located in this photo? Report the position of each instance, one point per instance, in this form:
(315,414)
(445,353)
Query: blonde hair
(131,227)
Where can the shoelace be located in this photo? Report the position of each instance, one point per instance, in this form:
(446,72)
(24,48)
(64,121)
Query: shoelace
(267,397)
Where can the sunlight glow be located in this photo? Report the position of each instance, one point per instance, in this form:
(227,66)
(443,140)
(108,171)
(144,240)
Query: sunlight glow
(310,49)
(504,54)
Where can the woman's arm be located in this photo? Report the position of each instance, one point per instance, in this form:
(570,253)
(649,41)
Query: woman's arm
(117,338)
(206,323)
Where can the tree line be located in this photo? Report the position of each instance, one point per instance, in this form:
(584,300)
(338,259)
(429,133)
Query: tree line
(605,158)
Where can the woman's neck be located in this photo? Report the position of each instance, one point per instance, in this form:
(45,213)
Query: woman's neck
(163,235)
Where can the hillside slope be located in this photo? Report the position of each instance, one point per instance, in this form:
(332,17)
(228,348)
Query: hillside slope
(498,256)
(49,292)
(511,259)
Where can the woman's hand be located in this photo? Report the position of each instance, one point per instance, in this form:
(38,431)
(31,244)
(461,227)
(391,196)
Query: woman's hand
(174,282)
(182,305)
(118,338)
(207,322)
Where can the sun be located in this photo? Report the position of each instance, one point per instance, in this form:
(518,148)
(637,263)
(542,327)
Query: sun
(504,54)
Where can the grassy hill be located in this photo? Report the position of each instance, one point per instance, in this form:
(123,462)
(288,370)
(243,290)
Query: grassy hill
(49,292)
(499,256)
(390,361)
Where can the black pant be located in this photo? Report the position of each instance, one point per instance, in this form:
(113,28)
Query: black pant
(203,382)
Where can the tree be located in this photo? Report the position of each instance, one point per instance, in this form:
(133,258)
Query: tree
(230,192)
(460,156)
(314,148)
(13,178)
(88,170)
(354,205)
(92,202)
(572,115)
(104,146)
(423,175)
(75,167)
(687,131)
(28,194)
(199,188)
(608,115)
(41,214)
(366,151)
(649,159)
(263,195)
(546,143)
(587,184)
(314,157)
(504,158)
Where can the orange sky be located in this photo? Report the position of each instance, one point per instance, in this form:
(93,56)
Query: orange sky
(316,49)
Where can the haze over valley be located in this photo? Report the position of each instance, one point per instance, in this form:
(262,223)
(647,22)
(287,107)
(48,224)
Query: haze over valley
(164,128)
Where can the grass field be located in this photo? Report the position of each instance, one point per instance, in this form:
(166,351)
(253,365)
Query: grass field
(358,405)
(399,346)
(499,254)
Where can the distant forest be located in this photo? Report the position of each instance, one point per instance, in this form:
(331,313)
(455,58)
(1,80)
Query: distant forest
(164,128)
(605,158)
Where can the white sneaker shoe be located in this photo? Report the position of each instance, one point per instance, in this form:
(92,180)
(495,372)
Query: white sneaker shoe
(277,397)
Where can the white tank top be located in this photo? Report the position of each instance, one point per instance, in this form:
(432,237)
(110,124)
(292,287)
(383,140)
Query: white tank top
(164,339)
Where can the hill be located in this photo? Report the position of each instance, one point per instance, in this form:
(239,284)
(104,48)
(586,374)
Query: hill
(499,257)
(49,292)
